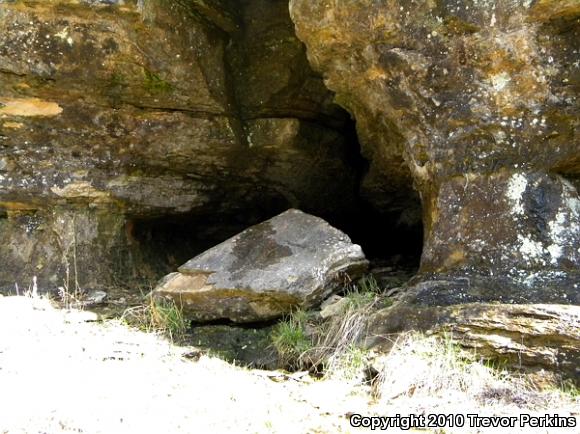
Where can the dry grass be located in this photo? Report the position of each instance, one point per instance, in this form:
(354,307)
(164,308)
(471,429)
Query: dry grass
(329,347)
(161,316)
(421,374)
(430,374)
(337,341)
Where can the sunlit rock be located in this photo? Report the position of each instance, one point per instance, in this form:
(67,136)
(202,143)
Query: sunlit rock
(292,260)
(532,338)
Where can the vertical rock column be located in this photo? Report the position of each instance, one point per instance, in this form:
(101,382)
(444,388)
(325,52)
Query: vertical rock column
(479,100)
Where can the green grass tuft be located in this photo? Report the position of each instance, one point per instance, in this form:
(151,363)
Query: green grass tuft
(363,294)
(291,340)
(158,315)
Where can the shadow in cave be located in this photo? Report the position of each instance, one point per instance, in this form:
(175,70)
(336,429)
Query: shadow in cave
(392,239)
(167,242)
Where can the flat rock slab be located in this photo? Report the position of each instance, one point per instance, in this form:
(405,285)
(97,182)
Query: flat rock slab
(292,260)
(533,337)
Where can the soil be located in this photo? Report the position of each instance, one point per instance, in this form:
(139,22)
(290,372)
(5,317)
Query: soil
(65,371)
(70,371)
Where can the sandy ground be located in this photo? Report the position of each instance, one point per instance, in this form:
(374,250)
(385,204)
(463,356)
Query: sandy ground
(63,372)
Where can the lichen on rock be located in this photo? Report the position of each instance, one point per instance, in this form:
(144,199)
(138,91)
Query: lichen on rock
(477,99)
(477,102)
(150,110)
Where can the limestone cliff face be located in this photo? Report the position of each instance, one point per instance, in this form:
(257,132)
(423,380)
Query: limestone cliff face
(477,102)
(117,111)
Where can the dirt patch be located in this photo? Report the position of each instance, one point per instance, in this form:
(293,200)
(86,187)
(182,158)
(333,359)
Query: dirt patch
(61,371)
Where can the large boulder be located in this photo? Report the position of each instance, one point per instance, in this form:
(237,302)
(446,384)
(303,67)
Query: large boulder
(117,113)
(292,260)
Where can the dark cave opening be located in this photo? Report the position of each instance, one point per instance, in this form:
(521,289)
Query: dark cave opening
(390,238)
(386,238)
(167,242)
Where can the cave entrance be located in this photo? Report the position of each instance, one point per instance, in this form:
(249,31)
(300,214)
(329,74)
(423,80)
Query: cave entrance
(166,242)
(391,241)
(392,238)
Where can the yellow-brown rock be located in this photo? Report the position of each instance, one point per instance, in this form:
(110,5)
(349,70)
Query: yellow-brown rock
(478,103)
(118,115)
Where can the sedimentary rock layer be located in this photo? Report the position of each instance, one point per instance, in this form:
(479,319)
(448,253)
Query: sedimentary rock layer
(116,112)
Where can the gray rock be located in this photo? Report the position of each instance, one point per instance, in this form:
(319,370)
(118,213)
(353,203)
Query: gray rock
(292,260)
(333,306)
(95,298)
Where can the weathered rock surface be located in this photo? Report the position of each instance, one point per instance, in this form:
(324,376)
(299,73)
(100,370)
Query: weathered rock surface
(525,336)
(292,260)
(113,113)
(477,102)
(118,115)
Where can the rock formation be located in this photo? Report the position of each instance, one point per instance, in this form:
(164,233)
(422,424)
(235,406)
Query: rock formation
(116,113)
(121,120)
(293,260)
(476,101)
